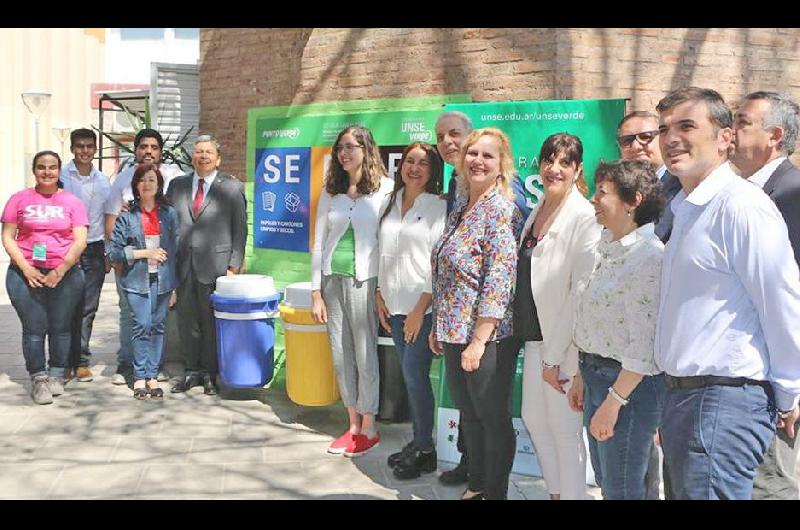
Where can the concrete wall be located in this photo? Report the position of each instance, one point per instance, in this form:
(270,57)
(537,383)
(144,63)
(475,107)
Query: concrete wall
(245,68)
(62,61)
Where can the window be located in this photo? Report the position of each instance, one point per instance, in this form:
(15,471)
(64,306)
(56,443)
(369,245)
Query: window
(141,33)
(187,33)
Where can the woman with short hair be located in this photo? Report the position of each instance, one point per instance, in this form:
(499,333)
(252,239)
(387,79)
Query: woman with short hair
(620,389)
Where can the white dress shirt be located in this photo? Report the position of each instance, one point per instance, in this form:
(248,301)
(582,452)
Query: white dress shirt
(93,190)
(660,172)
(618,308)
(334,214)
(730,294)
(207,182)
(406,242)
(760,177)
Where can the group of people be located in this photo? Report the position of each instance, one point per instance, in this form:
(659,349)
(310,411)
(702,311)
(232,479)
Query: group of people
(168,239)
(662,310)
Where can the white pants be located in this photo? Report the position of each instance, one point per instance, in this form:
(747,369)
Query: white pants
(556,430)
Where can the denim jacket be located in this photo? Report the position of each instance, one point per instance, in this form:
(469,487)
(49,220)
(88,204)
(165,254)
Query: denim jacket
(129,236)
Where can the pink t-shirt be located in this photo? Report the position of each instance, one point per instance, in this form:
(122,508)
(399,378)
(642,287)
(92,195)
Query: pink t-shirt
(45,220)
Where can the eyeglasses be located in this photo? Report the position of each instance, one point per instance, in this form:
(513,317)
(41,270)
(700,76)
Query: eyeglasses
(644,138)
(347,148)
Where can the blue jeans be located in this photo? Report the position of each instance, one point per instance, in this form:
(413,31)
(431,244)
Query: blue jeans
(93,264)
(416,358)
(620,463)
(149,322)
(45,311)
(125,352)
(714,437)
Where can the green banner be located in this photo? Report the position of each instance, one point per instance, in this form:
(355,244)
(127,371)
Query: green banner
(306,134)
(310,130)
(529,123)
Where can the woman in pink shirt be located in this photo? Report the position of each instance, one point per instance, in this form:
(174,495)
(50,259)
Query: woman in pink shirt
(44,234)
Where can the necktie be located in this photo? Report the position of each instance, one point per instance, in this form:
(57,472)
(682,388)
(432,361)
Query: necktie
(197,204)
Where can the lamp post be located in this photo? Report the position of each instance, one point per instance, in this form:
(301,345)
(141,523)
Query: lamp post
(62,133)
(36,102)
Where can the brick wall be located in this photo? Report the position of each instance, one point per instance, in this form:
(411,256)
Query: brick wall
(244,68)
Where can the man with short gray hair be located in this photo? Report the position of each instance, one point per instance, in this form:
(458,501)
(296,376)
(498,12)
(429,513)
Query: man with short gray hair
(212,218)
(765,132)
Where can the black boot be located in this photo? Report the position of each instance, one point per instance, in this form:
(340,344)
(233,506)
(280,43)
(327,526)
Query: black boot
(416,464)
(395,458)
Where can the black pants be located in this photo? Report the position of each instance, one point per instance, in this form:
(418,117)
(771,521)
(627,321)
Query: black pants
(93,263)
(484,399)
(196,326)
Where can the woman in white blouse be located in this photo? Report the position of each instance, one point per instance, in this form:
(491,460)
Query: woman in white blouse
(620,389)
(344,276)
(556,254)
(412,220)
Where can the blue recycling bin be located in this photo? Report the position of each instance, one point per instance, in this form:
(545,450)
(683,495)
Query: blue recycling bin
(245,338)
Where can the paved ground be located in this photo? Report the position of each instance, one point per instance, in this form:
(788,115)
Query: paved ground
(96,441)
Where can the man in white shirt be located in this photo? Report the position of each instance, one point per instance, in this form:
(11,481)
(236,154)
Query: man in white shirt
(148,145)
(765,127)
(92,187)
(727,335)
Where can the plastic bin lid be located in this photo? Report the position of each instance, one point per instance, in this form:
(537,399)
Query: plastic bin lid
(248,285)
(298,295)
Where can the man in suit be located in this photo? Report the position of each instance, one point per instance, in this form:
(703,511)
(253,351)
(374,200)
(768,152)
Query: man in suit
(637,137)
(212,214)
(765,131)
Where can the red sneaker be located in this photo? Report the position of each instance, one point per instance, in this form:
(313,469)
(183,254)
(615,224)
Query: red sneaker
(340,444)
(361,445)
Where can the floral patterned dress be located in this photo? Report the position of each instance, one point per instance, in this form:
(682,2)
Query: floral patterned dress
(474,268)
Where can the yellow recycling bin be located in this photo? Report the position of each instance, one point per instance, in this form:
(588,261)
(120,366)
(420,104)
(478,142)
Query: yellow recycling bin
(310,376)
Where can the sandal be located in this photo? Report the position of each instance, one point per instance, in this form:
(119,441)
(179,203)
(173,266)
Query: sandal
(140,393)
(155,391)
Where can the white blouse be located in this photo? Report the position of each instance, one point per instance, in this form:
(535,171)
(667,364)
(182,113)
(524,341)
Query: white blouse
(406,242)
(334,215)
(618,308)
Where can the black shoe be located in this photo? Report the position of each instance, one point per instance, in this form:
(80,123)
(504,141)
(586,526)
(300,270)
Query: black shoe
(209,385)
(395,458)
(416,464)
(188,382)
(457,475)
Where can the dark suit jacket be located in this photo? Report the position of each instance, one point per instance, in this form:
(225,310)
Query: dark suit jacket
(215,239)
(671,186)
(783,187)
